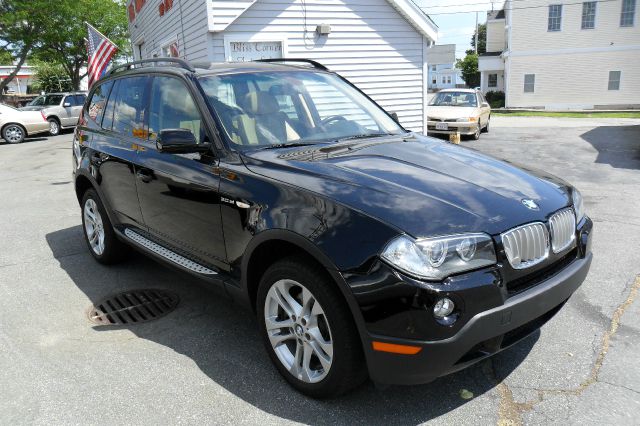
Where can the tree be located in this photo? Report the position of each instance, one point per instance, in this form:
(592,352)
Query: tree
(482,39)
(23,24)
(469,68)
(52,78)
(5,57)
(66,45)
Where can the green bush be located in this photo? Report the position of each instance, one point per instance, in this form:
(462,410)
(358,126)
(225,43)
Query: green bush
(51,78)
(495,99)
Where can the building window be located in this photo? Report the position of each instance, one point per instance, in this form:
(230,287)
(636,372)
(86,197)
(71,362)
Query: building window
(555,17)
(444,80)
(448,79)
(529,83)
(614,80)
(434,81)
(493,80)
(628,14)
(433,67)
(588,15)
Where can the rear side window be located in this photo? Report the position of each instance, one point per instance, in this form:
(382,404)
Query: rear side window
(95,109)
(130,107)
(172,107)
(80,99)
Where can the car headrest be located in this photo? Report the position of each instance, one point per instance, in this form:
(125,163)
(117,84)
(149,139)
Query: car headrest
(260,103)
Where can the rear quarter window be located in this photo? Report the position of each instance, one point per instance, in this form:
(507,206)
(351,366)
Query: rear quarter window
(95,108)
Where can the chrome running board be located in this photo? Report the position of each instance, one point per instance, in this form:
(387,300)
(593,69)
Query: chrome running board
(167,254)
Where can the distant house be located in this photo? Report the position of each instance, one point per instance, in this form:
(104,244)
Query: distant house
(557,55)
(21,82)
(444,76)
(380,45)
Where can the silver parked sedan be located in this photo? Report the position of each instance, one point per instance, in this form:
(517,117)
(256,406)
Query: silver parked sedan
(463,111)
(15,125)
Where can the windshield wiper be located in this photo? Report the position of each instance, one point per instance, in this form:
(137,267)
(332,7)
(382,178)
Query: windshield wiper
(363,136)
(288,145)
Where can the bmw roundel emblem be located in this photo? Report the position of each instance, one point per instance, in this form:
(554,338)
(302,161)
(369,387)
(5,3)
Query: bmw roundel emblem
(530,204)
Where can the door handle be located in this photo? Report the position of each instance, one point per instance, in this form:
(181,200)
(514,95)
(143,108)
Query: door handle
(144,176)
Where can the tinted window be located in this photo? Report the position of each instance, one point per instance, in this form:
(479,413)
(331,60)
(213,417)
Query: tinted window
(172,107)
(130,106)
(80,99)
(70,100)
(95,109)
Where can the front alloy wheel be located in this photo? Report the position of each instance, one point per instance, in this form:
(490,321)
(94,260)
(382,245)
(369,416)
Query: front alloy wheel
(298,331)
(98,231)
(308,329)
(13,133)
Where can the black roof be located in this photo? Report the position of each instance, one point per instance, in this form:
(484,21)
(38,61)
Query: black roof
(496,14)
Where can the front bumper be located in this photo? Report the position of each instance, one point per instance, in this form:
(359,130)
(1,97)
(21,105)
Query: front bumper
(485,334)
(497,309)
(464,128)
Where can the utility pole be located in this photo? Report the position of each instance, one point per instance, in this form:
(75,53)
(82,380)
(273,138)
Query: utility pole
(476,41)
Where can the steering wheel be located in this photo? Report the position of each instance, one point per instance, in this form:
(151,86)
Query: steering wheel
(332,118)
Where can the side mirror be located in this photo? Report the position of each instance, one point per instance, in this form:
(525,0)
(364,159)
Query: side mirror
(179,141)
(485,105)
(394,115)
(66,104)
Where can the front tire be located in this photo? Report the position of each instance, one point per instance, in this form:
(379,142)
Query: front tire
(486,128)
(476,135)
(99,235)
(54,127)
(14,133)
(308,330)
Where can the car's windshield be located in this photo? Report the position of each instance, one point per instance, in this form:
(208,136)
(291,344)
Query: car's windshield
(456,99)
(264,109)
(46,100)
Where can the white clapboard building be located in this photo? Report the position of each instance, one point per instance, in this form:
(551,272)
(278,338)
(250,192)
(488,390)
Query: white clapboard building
(380,45)
(564,54)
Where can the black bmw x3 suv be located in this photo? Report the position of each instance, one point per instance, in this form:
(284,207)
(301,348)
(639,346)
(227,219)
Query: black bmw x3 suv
(365,250)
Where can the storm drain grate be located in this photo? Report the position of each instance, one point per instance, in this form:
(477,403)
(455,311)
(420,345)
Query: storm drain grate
(133,307)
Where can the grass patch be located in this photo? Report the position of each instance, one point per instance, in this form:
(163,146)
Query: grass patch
(570,114)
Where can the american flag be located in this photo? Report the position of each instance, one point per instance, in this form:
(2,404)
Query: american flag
(101,50)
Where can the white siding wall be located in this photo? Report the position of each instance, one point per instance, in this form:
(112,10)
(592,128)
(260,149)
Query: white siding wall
(572,66)
(156,29)
(495,35)
(370,44)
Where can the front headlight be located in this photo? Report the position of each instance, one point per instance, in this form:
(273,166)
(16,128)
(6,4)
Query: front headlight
(578,204)
(437,258)
(467,120)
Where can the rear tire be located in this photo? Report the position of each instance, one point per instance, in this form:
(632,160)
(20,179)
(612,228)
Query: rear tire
(99,235)
(54,127)
(312,338)
(14,133)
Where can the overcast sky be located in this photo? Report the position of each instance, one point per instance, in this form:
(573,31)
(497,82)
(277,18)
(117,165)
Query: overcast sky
(456,19)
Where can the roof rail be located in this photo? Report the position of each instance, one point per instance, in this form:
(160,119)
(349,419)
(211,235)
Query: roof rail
(315,64)
(180,62)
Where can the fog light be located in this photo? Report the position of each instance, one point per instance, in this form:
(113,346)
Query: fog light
(443,308)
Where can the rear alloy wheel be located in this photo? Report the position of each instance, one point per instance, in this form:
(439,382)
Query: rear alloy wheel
(54,127)
(98,232)
(13,133)
(308,330)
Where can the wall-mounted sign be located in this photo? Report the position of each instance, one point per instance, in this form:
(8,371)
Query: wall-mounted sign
(245,51)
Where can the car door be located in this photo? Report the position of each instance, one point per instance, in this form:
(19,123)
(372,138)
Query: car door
(114,144)
(179,193)
(66,113)
(485,110)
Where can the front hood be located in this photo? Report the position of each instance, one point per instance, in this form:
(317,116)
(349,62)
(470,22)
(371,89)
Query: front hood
(448,112)
(421,186)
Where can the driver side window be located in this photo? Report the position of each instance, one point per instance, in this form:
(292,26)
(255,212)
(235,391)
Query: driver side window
(172,107)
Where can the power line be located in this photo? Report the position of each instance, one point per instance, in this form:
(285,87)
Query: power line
(464,4)
(516,8)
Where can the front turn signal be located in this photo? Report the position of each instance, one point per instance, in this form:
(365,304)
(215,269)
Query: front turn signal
(396,349)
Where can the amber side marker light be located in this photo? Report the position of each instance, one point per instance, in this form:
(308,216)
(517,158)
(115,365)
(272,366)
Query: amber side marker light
(396,349)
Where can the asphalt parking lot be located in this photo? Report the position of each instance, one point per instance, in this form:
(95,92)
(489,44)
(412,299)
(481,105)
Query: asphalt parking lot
(204,363)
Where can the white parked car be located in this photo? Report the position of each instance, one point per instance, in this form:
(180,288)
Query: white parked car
(15,125)
(463,111)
